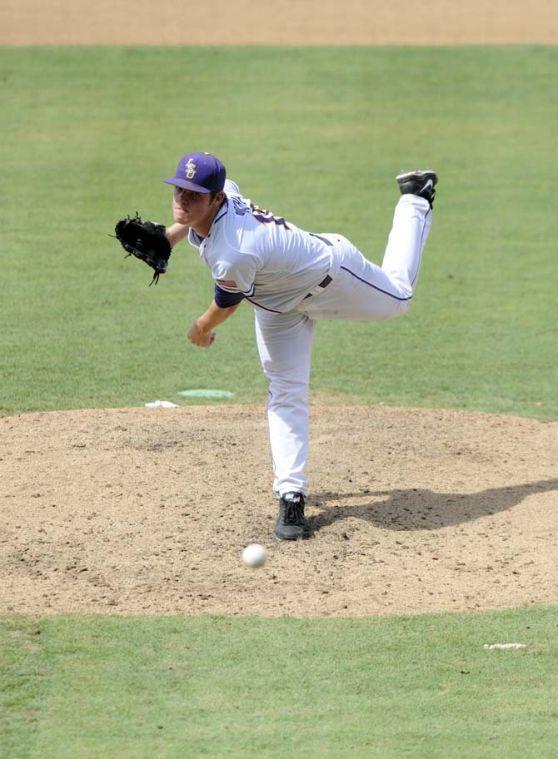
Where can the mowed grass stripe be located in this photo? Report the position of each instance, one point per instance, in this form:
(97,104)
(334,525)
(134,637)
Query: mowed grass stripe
(192,686)
(317,136)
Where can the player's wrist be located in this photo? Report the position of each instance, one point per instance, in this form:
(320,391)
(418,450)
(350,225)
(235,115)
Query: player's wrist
(203,324)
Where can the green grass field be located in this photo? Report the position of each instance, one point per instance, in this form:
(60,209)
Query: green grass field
(317,135)
(206,686)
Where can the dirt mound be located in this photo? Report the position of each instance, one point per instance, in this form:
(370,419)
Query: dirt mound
(135,510)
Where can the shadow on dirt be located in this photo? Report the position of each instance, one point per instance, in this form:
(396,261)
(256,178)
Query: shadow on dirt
(417,509)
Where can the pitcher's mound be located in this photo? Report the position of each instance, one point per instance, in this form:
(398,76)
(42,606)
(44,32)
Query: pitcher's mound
(134,510)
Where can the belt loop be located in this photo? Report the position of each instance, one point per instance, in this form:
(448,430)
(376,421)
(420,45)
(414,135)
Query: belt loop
(323,284)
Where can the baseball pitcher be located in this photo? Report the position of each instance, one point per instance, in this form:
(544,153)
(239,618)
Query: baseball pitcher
(291,278)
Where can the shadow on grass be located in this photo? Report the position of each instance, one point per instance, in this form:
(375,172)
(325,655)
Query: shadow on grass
(419,509)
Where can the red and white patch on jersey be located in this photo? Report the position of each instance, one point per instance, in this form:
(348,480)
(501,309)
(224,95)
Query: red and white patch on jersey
(227,283)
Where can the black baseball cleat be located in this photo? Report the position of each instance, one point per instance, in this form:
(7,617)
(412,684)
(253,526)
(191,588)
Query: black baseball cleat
(421,183)
(291,524)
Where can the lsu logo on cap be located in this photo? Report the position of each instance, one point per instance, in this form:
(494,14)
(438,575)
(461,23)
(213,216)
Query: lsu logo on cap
(190,169)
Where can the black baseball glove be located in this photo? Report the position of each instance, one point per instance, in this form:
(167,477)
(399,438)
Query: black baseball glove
(145,240)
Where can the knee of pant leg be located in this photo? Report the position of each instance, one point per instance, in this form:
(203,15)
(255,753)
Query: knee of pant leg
(394,309)
(286,374)
(287,390)
(404,306)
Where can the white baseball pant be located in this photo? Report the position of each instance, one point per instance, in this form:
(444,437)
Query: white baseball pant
(359,290)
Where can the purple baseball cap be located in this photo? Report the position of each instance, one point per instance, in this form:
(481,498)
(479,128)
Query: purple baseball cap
(201,172)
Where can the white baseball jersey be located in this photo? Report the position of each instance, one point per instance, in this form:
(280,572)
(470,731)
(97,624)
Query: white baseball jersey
(271,262)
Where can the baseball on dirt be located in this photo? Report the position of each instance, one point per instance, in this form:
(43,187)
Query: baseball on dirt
(254,555)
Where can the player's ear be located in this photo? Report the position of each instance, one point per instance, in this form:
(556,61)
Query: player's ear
(220,197)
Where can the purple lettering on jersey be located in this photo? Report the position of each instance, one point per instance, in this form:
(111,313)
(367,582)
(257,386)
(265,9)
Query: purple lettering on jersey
(266,217)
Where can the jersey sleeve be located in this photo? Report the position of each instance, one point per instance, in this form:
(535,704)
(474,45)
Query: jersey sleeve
(225,299)
(236,275)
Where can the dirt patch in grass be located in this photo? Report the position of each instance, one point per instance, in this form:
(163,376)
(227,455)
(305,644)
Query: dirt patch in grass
(135,510)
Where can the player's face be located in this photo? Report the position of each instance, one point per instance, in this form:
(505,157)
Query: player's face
(194,209)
